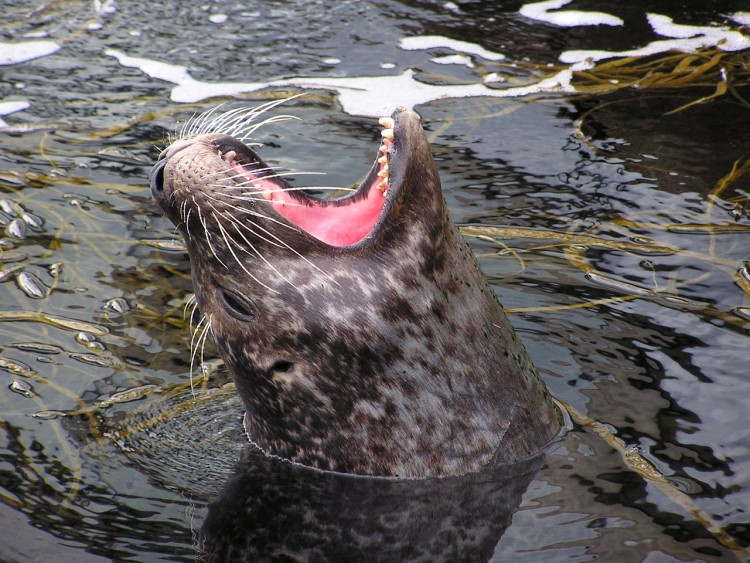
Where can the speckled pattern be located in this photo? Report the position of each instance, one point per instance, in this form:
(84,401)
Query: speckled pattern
(272,510)
(388,357)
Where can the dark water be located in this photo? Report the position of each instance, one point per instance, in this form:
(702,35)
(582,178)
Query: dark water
(622,258)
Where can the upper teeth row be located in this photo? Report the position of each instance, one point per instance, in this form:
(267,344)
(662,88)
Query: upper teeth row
(388,123)
(387,134)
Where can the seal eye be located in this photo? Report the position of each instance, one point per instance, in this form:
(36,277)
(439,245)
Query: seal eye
(236,305)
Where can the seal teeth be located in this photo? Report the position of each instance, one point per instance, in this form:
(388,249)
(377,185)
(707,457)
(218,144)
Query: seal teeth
(229,156)
(387,134)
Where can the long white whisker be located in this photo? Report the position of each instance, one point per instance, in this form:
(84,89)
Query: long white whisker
(263,108)
(243,122)
(248,198)
(233,122)
(250,230)
(256,171)
(199,124)
(255,250)
(236,258)
(187,222)
(250,182)
(285,244)
(267,232)
(208,234)
(218,124)
(253,212)
(300,189)
(192,304)
(276,119)
(194,344)
(234,174)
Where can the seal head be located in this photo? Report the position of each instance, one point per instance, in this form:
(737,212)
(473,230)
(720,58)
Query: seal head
(361,334)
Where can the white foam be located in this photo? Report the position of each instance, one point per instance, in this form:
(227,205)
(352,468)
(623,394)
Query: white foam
(218,18)
(14,53)
(362,95)
(540,11)
(105,7)
(155,69)
(454,60)
(422,42)
(742,18)
(7,108)
(683,38)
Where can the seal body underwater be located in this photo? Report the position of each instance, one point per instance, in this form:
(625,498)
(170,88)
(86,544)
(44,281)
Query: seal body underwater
(360,332)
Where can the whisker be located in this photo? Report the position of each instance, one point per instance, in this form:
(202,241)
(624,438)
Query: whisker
(248,198)
(287,246)
(242,121)
(200,122)
(187,223)
(255,250)
(235,122)
(276,119)
(250,230)
(192,304)
(250,181)
(234,174)
(255,171)
(272,236)
(239,262)
(194,345)
(320,188)
(208,234)
(253,213)
(218,125)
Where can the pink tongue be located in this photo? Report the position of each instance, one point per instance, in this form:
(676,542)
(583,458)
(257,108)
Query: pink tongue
(337,225)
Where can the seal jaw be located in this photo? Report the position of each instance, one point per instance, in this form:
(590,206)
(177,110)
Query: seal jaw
(337,222)
(354,220)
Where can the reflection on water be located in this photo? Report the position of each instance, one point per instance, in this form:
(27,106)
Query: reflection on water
(271,508)
(618,250)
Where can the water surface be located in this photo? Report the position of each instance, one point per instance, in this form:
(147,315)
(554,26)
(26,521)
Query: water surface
(620,252)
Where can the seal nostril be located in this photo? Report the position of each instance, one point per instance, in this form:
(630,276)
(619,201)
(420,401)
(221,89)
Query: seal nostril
(157,177)
(283,367)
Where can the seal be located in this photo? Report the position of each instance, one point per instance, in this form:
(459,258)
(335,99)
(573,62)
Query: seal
(360,332)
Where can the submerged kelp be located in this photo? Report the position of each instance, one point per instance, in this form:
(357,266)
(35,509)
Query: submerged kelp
(726,73)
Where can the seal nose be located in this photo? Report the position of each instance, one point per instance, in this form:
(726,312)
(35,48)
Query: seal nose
(156,177)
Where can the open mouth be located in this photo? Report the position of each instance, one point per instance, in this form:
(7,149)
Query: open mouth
(341,221)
